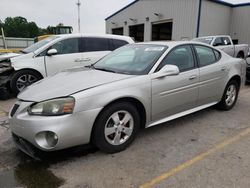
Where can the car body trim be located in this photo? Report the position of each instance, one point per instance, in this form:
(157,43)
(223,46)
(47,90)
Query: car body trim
(172,117)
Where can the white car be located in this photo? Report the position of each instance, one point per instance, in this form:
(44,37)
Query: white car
(60,52)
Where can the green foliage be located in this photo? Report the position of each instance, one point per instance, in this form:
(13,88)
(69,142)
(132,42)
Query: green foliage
(20,27)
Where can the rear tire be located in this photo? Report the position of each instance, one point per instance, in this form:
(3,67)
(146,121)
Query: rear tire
(116,127)
(240,55)
(230,96)
(23,79)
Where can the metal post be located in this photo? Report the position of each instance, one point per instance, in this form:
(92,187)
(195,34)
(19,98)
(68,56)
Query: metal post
(79,19)
(4,41)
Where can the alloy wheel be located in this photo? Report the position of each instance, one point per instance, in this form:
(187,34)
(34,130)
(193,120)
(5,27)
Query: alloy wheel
(231,95)
(119,127)
(25,80)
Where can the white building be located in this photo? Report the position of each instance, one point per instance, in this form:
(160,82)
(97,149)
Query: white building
(147,20)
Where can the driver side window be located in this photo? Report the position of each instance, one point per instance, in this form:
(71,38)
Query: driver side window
(181,56)
(68,46)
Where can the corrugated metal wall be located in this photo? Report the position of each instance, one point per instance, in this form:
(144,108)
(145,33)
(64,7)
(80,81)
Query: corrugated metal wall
(16,42)
(183,13)
(240,24)
(215,19)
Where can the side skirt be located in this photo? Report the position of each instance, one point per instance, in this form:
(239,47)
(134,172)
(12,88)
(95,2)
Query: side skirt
(184,113)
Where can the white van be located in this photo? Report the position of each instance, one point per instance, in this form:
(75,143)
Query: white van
(59,52)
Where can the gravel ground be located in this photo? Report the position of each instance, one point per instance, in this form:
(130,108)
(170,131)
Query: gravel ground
(154,152)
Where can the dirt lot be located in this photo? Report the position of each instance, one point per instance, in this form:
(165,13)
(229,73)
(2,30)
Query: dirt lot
(206,149)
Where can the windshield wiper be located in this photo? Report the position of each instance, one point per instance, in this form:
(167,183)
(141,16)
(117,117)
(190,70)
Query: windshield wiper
(91,66)
(103,69)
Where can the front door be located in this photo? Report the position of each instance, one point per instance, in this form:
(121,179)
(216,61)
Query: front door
(68,56)
(174,94)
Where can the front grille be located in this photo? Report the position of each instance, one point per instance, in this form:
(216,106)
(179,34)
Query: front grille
(14,109)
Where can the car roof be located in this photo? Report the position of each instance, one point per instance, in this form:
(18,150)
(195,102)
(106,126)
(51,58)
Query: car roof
(96,36)
(213,36)
(173,43)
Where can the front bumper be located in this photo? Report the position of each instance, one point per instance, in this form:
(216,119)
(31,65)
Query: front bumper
(71,130)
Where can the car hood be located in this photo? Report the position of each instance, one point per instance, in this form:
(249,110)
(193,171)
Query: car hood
(67,83)
(6,56)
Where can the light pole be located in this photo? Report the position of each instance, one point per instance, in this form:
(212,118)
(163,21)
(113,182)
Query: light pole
(79,19)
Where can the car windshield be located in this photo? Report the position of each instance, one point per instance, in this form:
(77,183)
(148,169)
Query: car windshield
(131,59)
(39,44)
(207,40)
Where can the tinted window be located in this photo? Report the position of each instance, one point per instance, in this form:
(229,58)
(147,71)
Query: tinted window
(218,42)
(118,43)
(182,57)
(226,41)
(67,46)
(205,55)
(95,44)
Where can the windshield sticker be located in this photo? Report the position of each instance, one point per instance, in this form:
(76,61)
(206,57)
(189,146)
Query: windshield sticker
(154,49)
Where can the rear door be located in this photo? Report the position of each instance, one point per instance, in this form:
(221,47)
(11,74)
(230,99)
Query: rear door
(68,56)
(174,94)
(93,49)
(213,73)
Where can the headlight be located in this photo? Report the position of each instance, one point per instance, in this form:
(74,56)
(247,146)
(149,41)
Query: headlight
(54,107)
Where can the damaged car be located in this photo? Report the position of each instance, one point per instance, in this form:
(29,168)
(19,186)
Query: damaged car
(54,54)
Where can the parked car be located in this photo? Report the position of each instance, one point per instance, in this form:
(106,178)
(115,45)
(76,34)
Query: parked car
(225,43)
(58,52)
(136,86)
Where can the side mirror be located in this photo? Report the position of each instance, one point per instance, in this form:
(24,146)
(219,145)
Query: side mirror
(52,52)
(167,70)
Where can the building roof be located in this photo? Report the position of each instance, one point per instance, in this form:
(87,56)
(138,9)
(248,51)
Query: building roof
(233,5)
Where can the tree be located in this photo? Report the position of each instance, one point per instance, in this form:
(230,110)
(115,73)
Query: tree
(20,27)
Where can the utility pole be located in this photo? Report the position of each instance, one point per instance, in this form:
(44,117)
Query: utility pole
(79,19)
(3,36)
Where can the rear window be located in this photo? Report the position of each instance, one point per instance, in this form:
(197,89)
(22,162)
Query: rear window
(116,43)
(217,55)
(206,55)
(95,44)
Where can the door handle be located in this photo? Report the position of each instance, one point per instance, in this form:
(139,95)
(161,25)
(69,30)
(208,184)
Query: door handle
(78,60)
(82,60)
(223,68)
(192,77)
(86,59)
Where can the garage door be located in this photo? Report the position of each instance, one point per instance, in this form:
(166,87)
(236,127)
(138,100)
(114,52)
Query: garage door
(117,31)
(137,32)
(162,31)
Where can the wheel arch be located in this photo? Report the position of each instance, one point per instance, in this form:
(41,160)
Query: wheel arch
(237,78)
(29,69)
(137,103)
(241,52)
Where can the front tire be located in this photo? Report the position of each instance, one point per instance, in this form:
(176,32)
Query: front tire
(23,79)
(230,96)
(116,127)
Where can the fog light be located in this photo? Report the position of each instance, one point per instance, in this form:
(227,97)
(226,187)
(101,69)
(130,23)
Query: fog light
(46,139)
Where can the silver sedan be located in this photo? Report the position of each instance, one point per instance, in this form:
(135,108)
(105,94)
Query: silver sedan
(136,86)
